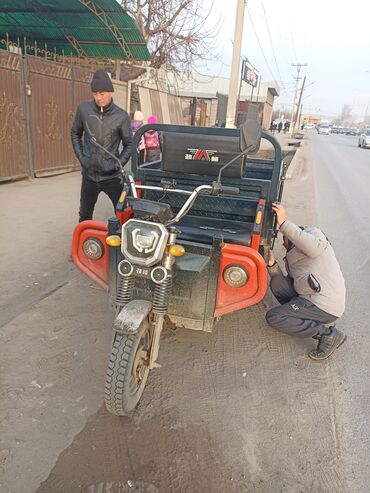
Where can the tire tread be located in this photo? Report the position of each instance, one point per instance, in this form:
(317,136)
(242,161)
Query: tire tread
(117,400)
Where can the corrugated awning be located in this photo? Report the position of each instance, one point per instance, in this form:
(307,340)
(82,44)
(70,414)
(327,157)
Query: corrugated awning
(86,28)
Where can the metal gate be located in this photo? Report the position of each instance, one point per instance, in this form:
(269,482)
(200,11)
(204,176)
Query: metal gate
(14,162)
(38,99)
(52,105)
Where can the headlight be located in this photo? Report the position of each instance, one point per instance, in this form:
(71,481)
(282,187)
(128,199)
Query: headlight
(144,242)
(235,276)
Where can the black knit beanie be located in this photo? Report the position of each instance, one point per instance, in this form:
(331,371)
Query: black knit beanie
(101,82)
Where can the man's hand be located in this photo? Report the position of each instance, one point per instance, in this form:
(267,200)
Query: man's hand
(280,213)
(271,261)
(83,161)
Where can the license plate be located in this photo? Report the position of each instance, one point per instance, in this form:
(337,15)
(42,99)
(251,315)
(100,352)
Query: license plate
(142,271)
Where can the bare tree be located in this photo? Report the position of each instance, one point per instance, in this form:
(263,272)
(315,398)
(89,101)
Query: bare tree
(345,119)
(175,32)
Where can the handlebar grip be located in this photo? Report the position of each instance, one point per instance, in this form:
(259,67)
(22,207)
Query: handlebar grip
(230,190)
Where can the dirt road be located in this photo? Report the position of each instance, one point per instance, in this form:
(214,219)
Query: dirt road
(242,409)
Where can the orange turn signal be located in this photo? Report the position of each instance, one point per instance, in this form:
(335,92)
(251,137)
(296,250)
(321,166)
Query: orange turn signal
(113,240)
(176,250)
(122,197)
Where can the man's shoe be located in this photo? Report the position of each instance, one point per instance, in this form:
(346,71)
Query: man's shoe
(328,344)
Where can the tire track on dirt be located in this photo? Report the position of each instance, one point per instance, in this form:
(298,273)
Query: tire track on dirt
(27,299)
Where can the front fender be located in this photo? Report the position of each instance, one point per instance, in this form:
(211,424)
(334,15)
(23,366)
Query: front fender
(230,299)
(132,315)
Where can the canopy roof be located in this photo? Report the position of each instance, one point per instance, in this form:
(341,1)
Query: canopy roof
(86,28)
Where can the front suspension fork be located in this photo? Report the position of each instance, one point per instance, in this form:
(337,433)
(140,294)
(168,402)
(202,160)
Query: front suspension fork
(161,298)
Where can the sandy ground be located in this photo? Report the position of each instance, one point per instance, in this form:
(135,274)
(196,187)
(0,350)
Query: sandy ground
(242,409)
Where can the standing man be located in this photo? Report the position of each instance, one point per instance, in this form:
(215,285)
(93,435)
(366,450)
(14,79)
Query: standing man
(110,126)
(312,296)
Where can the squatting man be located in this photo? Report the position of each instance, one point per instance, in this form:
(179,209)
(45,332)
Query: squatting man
(312,295)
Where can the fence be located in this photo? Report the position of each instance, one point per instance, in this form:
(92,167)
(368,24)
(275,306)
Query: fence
(37,103)
(167,107)
(38,99)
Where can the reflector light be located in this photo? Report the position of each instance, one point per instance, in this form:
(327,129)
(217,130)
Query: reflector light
(259,217)
(93,248)
(235,276)
(125,268)
(159,274)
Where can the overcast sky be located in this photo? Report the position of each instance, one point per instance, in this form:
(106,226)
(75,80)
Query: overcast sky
(331,36)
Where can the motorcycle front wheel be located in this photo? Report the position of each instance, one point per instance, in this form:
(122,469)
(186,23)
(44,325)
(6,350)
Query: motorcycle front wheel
(127,371)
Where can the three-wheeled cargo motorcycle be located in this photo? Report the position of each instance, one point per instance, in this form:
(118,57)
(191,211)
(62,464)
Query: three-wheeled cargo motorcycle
(188,244)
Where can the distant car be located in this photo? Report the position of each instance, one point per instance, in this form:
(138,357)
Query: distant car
(324,130)
(364,139)
(352,131)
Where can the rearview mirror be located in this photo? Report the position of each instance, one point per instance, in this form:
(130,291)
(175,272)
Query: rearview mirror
(251,131)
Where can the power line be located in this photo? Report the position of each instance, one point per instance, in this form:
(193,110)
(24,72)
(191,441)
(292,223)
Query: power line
(292,40)
(259,43)
(286,47)
(272,46)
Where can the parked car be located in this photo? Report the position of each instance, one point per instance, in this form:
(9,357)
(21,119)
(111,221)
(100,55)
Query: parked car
(335,130)
(352,131)
(324,130)
(364,139)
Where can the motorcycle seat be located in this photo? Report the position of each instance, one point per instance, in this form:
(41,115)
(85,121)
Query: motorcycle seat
(203,229)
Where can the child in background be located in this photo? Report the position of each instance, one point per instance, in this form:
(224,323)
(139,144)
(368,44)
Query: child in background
(152,142)
(136,123)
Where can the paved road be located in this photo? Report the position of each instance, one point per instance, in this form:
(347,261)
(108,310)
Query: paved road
(342,176)
(242,409)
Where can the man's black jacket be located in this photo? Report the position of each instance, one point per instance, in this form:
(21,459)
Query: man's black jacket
(110,125)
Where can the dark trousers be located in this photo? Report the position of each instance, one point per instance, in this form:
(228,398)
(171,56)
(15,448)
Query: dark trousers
(296,316)
(90,191)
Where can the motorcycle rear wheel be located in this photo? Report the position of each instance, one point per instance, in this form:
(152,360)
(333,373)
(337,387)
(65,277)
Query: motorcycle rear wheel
(127,371)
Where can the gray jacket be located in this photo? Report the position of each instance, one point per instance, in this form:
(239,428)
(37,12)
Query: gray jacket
(313,266)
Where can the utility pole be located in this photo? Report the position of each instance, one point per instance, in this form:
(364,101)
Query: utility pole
(235,65)
(259,85)
(297,117)
(293,122)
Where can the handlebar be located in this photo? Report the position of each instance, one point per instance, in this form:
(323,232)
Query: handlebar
(215,189)
(190,201)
